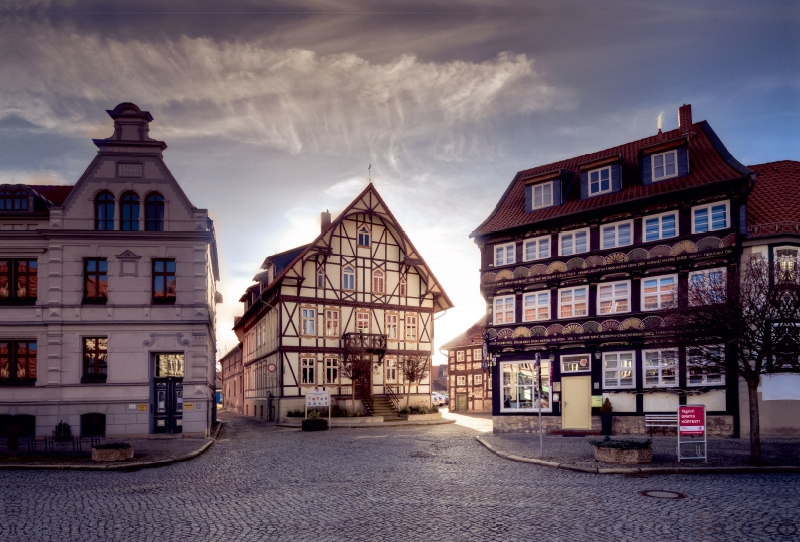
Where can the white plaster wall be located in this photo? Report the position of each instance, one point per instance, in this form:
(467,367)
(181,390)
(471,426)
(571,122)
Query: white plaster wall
(661,402)
(713,400)
(621,402)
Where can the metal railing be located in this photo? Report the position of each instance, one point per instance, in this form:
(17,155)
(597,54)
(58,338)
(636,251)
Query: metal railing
(368,341)
(392,393)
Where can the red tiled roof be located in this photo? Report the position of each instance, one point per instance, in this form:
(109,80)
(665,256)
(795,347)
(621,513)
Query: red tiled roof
(472,336)
(774,204)
(56,194)
(709,162)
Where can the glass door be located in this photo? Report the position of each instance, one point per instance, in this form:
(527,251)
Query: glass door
(168,393)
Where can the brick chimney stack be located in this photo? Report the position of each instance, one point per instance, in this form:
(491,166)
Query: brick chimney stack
(325,221)
(685,119)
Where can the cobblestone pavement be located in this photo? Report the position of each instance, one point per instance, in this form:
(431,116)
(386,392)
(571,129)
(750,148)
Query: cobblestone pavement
(722,452)
(407,484)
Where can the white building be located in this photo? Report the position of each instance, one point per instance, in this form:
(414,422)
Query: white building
(107,297)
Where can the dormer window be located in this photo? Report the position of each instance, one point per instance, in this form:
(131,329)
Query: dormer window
(16,200)
(363,236)
(600,181)
(665,165)
(542,195)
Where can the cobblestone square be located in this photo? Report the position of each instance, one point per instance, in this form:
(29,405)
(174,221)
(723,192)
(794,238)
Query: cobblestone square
(259,482)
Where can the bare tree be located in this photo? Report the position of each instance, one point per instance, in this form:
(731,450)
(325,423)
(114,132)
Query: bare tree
(743,325)
(413,368)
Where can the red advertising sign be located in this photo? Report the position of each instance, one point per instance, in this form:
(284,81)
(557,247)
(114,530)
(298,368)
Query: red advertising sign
(691,420)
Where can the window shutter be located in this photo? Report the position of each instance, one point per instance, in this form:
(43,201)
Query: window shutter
(683,161)
(647,169)
(616,179)
(528,198)
(584,184)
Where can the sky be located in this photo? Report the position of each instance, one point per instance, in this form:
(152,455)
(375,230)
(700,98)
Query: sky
(273,110)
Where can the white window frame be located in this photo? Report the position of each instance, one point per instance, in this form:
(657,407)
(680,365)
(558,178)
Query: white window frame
(391,371)
(618,369)
(505,254)
(705,273)
(477,380)
(345,274)
(412,328)
(664,177)
(660,217)
(599,172)
(546,368)
(460,356)
(572,303)
(707,207)
(658,287)
(577,357)
(616,226)
(332,367)
(537,248)
(391,322)
(573,233)
(544,203)
(332,323)
(660,368)
(378,282)
(308,370)
(308,323)
(705,381)
(477,354)
(363,316)
(536,305)
(461,380)
(614,296)
(506,308)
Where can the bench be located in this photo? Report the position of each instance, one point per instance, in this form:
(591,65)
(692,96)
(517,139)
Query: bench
(660,420)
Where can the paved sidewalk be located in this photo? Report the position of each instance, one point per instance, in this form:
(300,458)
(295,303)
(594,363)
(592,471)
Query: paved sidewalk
(479,421)
(147,453)
(578,452)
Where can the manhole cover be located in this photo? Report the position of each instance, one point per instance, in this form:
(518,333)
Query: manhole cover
(662,494)
(421,454)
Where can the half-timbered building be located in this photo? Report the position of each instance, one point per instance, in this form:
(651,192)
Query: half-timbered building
(233,380)
(470,384)
(580,260)
(359,286)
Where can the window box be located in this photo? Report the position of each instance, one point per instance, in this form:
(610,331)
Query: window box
(661,226)
(711,217)
(574,242)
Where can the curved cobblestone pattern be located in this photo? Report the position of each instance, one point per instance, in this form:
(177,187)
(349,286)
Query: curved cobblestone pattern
(259,482)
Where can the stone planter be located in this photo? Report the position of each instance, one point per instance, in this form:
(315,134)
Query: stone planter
(315,425)
(112,454)
(617,455)
(424,417)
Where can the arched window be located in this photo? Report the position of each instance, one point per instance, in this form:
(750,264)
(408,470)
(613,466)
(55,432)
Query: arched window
(348,278)
(129,212)
(377,282)
(363,236)
(154,213)
(104,211)
(321,277)
(403,287)
(5,200)
(20,200)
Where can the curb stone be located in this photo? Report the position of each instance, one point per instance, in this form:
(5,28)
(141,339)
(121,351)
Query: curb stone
(639,470)
(123,466)
(377,424)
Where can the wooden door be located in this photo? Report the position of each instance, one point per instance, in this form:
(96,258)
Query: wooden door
(461,402)
(576,402)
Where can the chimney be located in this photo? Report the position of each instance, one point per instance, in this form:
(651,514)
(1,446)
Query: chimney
(325,221)
(685,119)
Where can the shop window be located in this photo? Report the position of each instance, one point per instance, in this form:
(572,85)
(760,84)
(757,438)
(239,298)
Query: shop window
(660,368)
(519,387)
(581,363)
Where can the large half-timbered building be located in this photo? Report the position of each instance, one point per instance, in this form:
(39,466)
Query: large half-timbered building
(359,284)
(580,260)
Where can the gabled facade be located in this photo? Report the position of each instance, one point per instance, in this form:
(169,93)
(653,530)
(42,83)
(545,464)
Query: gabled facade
(470,376)
(233,380)
(360,282)
(581,257)
(108,296)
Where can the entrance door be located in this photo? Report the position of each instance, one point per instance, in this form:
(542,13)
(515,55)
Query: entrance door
(168,393)
(168,411)
(576,402)
(461,402)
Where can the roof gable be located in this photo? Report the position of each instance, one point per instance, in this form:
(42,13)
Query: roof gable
(473,336)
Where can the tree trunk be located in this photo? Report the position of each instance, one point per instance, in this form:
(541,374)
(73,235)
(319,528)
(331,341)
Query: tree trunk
(755,429)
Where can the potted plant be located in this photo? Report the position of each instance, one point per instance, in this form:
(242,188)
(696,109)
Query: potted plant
(113,451)
(314,422)
(62,432)
(623,450)
(606,418)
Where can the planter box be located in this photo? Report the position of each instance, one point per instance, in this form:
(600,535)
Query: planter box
(315,425)
(424,417)
(120,454)
(616,455)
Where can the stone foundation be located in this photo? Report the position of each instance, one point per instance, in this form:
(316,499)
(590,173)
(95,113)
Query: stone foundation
(718,426)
